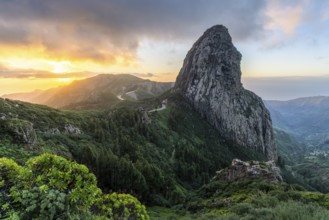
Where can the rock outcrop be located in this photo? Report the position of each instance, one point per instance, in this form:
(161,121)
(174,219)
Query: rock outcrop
(70,129)
(143,116)
(53,131)
(23,131)
(210,80)
(250,170)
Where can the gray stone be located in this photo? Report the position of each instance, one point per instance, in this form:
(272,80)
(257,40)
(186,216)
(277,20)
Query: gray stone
(250,170)
(70,129)
(210,80)
(3,116)
(53,131)
(143,116)
(23,131)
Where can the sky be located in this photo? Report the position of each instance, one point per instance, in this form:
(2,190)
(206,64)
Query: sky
(47,43)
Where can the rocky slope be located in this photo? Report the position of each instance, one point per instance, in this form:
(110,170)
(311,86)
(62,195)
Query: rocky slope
(210,80)
(250,170)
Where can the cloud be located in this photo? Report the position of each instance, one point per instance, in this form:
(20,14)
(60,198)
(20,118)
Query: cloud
(284,17)
(144,75)
(111,31)
(37,74)
(286,21)
(282,21)
(103,30)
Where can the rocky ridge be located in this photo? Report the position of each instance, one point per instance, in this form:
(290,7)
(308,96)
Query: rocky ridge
(210,80)
(250,170)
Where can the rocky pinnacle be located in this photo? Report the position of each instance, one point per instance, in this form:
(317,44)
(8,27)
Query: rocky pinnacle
(210,80)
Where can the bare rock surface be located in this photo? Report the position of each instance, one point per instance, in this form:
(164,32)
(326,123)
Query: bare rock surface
(210,80)
(250,170)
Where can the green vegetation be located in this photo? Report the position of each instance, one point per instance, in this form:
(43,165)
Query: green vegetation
(249,199)
(169,163)
(302,165)
(51,187)
(158,162)
(290,150)
(314,171)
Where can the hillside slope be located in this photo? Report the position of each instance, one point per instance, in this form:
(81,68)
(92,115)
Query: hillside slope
(159,159)
(101,91)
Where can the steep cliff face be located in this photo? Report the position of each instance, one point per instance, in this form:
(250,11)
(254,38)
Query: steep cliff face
(210,80)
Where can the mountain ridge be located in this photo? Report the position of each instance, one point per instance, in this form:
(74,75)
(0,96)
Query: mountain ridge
(305,117)
(100,91)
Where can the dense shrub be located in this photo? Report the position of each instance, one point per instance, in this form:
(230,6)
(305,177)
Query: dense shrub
(121,206)
(51,187)
(9,172)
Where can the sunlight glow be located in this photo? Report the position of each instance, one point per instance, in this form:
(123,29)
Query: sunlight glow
(61,66)
(65,80)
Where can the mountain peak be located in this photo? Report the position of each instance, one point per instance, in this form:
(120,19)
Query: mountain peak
(213,56)
(219,31)
(210,80)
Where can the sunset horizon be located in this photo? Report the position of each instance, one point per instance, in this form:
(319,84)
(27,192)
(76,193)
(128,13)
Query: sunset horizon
(46,44)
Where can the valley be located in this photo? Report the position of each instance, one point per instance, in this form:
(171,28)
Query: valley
(302,133)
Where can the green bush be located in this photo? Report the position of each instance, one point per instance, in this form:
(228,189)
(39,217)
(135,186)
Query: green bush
(40,203)
(51,187)
(9,172)
(121,206)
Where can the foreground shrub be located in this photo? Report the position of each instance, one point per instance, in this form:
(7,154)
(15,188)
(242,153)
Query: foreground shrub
(51,187)
(9,172)
(121,206)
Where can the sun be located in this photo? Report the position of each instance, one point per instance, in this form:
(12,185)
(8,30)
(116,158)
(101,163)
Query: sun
(60,66)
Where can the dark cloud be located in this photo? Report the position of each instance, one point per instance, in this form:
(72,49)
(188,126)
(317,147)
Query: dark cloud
(13,35)
(102,29)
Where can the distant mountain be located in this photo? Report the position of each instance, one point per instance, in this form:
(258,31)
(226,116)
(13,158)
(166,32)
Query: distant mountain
(36,96)
(96,92)
(306,117)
